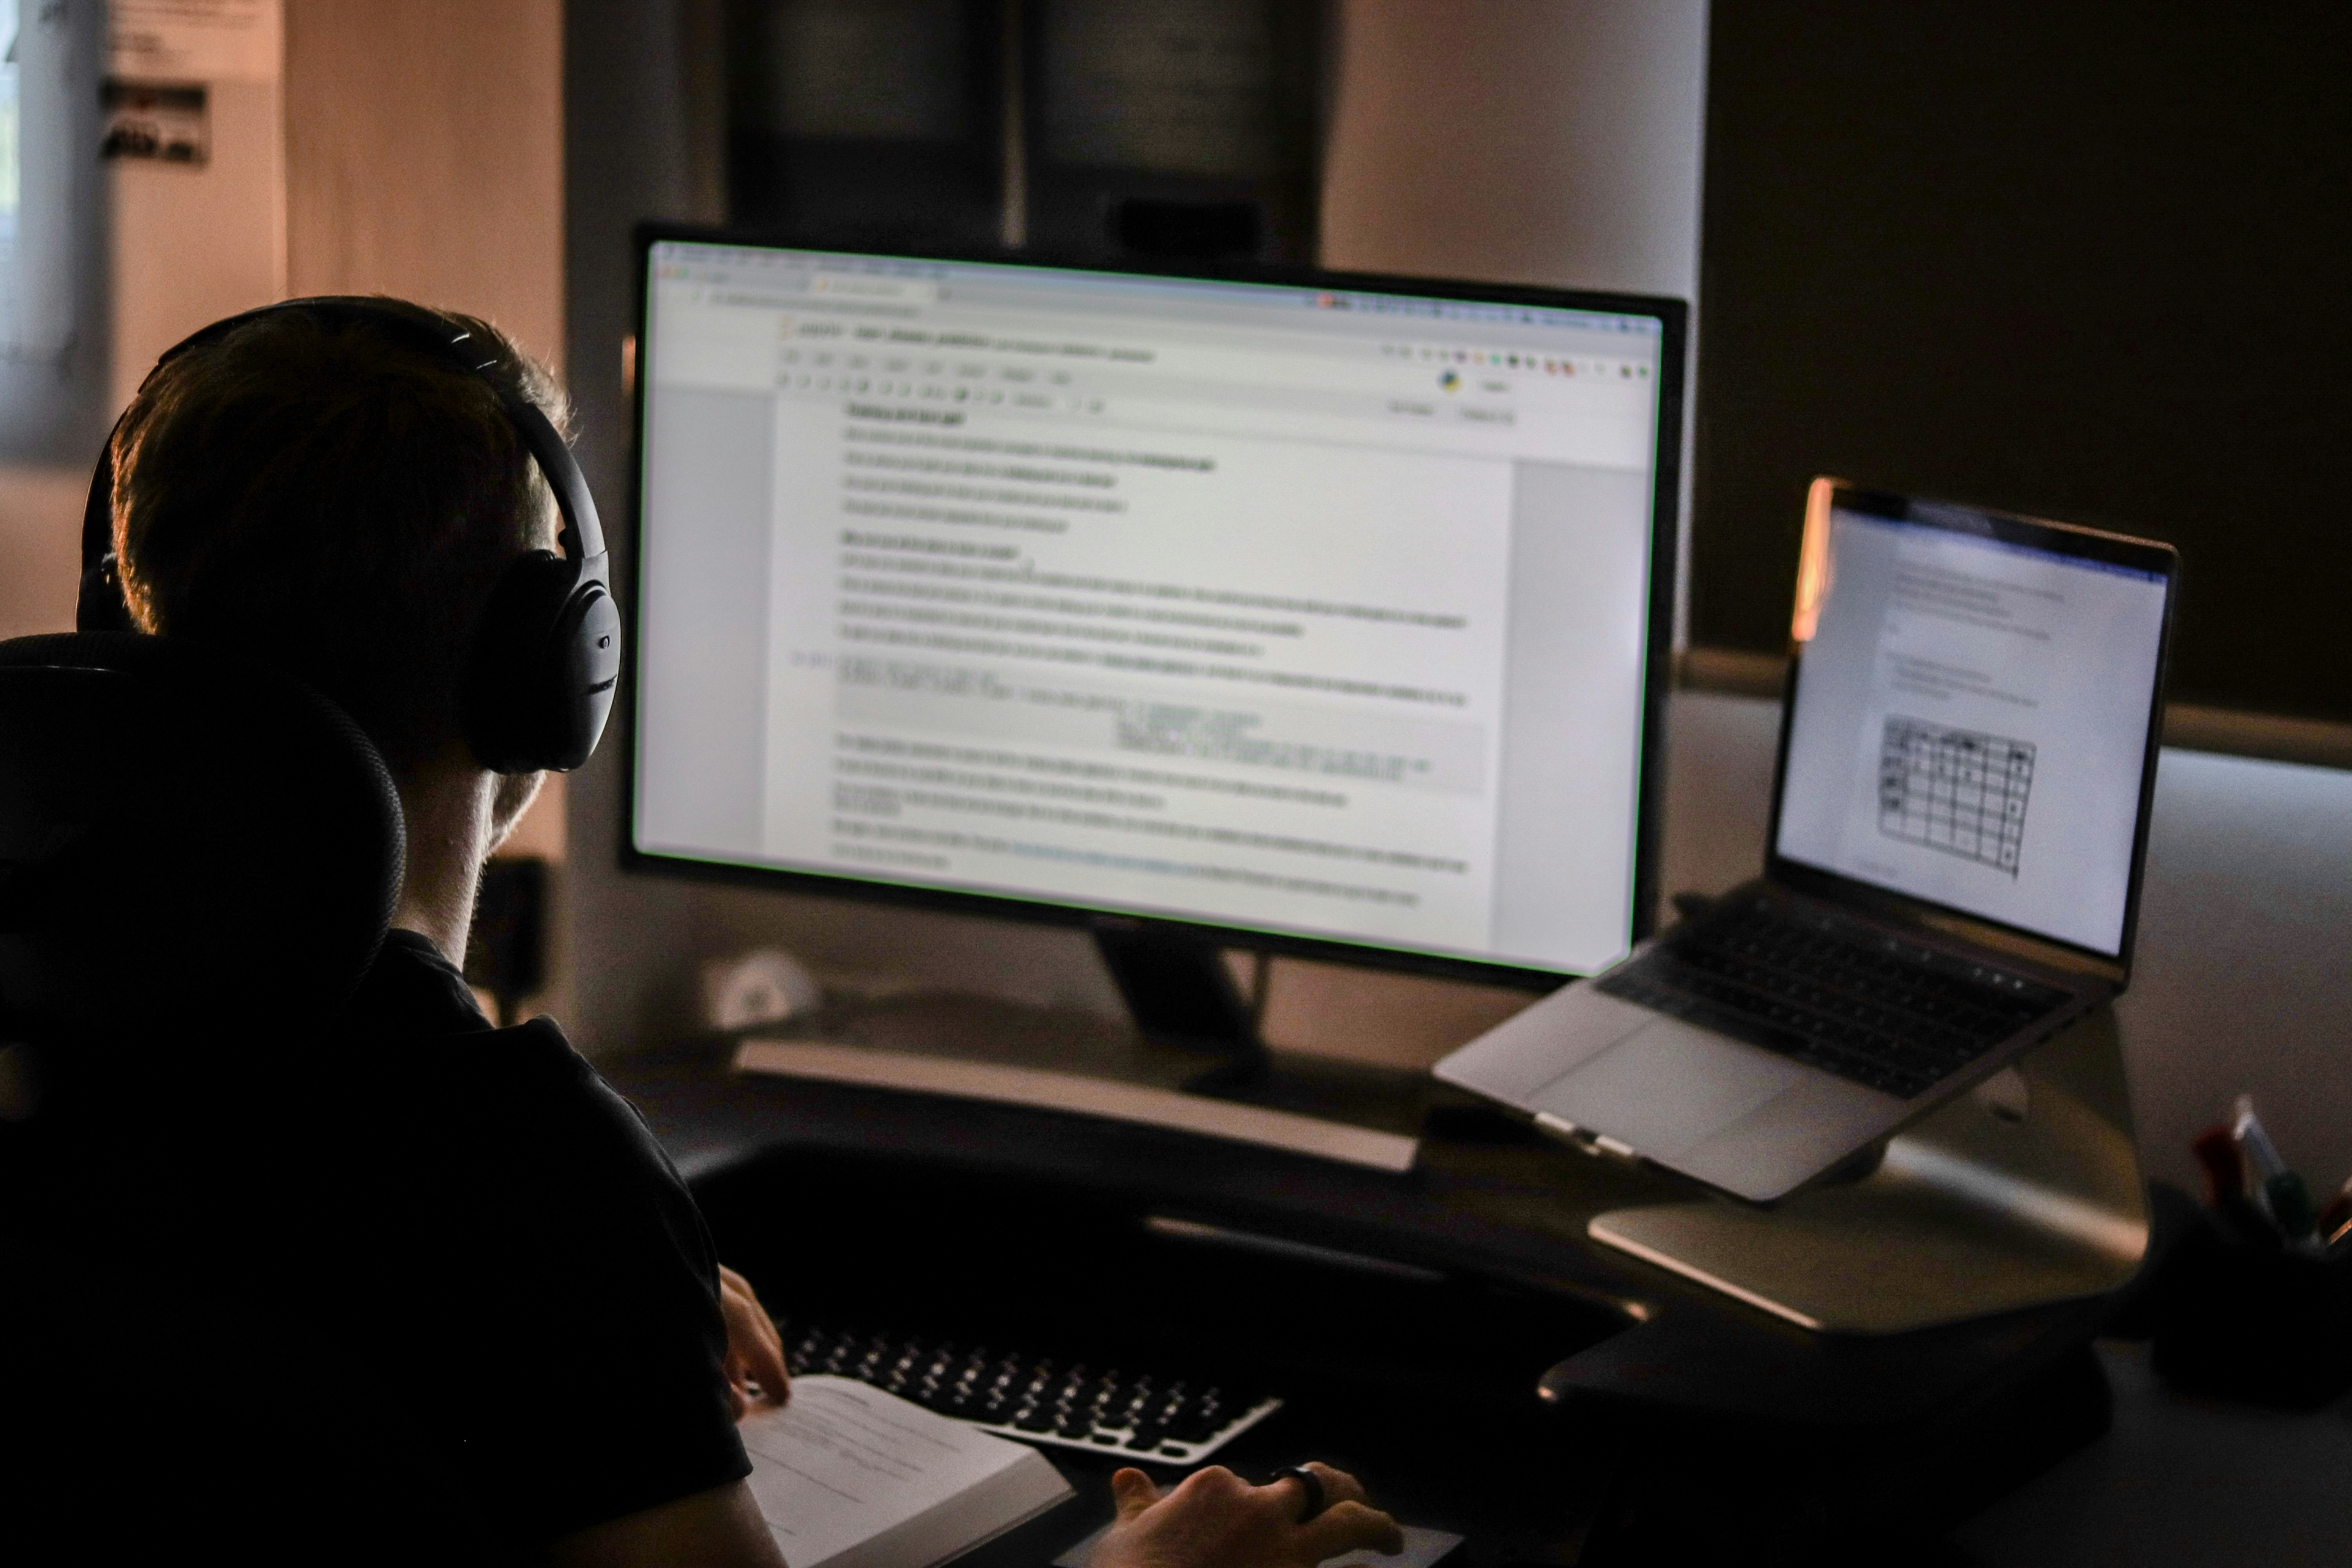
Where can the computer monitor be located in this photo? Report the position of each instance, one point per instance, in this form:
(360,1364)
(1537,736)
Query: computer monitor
(1314,612)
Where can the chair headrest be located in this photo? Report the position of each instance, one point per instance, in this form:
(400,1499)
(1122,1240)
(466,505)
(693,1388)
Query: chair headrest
(184,835)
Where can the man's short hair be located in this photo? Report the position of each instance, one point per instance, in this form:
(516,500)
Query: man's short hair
(318,494)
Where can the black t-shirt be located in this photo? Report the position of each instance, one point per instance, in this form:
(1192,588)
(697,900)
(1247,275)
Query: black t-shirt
(409,1290)
(558,1258)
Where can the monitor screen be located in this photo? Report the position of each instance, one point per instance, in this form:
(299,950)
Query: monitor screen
(1970,720)
(1321,614)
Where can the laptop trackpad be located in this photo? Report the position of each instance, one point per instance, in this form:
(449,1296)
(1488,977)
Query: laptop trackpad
(1667,1086)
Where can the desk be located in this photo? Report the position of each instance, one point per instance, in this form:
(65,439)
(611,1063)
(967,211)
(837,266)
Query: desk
(1704,1394)
(2178,1480)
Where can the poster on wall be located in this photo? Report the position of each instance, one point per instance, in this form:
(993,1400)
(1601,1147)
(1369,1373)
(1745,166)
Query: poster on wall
(168,124)
(194,41)
(163,58)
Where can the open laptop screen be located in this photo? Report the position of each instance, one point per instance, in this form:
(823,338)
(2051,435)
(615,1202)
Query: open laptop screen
(1969,722)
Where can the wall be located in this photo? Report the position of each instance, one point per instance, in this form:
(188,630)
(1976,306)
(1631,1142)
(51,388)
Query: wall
(425,157)
(1552,141)
(40,560)
(2083,261)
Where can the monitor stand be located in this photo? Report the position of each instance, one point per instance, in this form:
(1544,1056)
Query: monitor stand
(1180,994)
(1191,1060)
(2024,1192)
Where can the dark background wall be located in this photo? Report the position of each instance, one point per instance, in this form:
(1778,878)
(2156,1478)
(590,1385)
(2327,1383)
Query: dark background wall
(2090,260)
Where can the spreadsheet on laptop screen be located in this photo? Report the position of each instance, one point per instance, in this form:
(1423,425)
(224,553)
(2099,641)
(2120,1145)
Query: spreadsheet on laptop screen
(1278,608)
(1971,725)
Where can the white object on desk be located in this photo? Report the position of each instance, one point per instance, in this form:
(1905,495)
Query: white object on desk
(849,1476)
(766,985)
(1048,1090)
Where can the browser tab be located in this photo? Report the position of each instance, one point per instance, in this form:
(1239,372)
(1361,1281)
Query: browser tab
(895,291)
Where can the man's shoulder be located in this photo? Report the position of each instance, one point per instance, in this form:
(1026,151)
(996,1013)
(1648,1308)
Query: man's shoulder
(531,1059)
(524,1099)
(413,1022)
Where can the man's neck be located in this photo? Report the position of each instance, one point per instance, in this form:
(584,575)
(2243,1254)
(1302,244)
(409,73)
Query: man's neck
(450,833)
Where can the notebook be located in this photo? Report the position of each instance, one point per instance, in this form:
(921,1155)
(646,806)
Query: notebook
(849,1476)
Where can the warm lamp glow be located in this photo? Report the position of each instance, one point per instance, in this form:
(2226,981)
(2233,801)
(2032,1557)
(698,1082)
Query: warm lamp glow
(1814,569)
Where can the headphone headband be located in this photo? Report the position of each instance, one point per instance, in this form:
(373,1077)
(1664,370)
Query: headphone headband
(547,657)
(582,536)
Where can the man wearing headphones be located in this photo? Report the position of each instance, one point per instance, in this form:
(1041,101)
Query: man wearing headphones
(526,1348)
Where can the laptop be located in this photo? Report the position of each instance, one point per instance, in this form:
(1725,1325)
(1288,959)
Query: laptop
(1960,820)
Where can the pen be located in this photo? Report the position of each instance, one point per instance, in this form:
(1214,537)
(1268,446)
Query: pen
(2290,1203)
(2225,1172)
(2225,1188)
(2279,1192)
(2254,1143)
(2338,1212)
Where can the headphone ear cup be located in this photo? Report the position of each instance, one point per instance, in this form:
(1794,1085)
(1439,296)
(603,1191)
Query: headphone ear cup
(545,662)
(102,607)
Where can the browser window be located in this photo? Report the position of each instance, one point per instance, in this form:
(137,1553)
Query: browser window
(1269,606)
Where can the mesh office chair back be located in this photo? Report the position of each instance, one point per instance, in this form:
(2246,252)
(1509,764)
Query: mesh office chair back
(173,821)
(198,860)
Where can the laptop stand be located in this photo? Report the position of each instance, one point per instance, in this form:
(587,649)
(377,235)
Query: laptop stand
(2023,1191)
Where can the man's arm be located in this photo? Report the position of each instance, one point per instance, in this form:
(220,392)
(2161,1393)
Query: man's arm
(721,1528)
(717,1529)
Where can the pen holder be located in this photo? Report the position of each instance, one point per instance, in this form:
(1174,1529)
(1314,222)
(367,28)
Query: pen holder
(2252,1323)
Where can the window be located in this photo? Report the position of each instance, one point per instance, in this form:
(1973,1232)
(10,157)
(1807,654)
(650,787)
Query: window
(52,363)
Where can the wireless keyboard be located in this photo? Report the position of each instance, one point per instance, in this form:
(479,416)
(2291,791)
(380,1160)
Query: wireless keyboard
(1154,1415)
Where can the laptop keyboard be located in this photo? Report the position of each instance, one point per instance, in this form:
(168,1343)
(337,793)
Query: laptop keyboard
(1834,994)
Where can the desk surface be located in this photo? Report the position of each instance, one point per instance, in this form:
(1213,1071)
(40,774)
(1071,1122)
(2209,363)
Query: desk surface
(2179,1481)
(2175,1480)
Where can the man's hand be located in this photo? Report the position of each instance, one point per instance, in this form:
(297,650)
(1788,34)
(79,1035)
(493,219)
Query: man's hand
(755,1352)
(1216,1519)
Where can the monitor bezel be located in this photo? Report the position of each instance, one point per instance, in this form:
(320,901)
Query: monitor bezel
(2151,556)
(1672,315)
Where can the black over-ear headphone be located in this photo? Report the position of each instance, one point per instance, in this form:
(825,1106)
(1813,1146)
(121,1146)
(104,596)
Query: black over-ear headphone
(540,677)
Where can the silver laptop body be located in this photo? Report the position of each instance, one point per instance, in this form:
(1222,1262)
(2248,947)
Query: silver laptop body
(1959,821)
